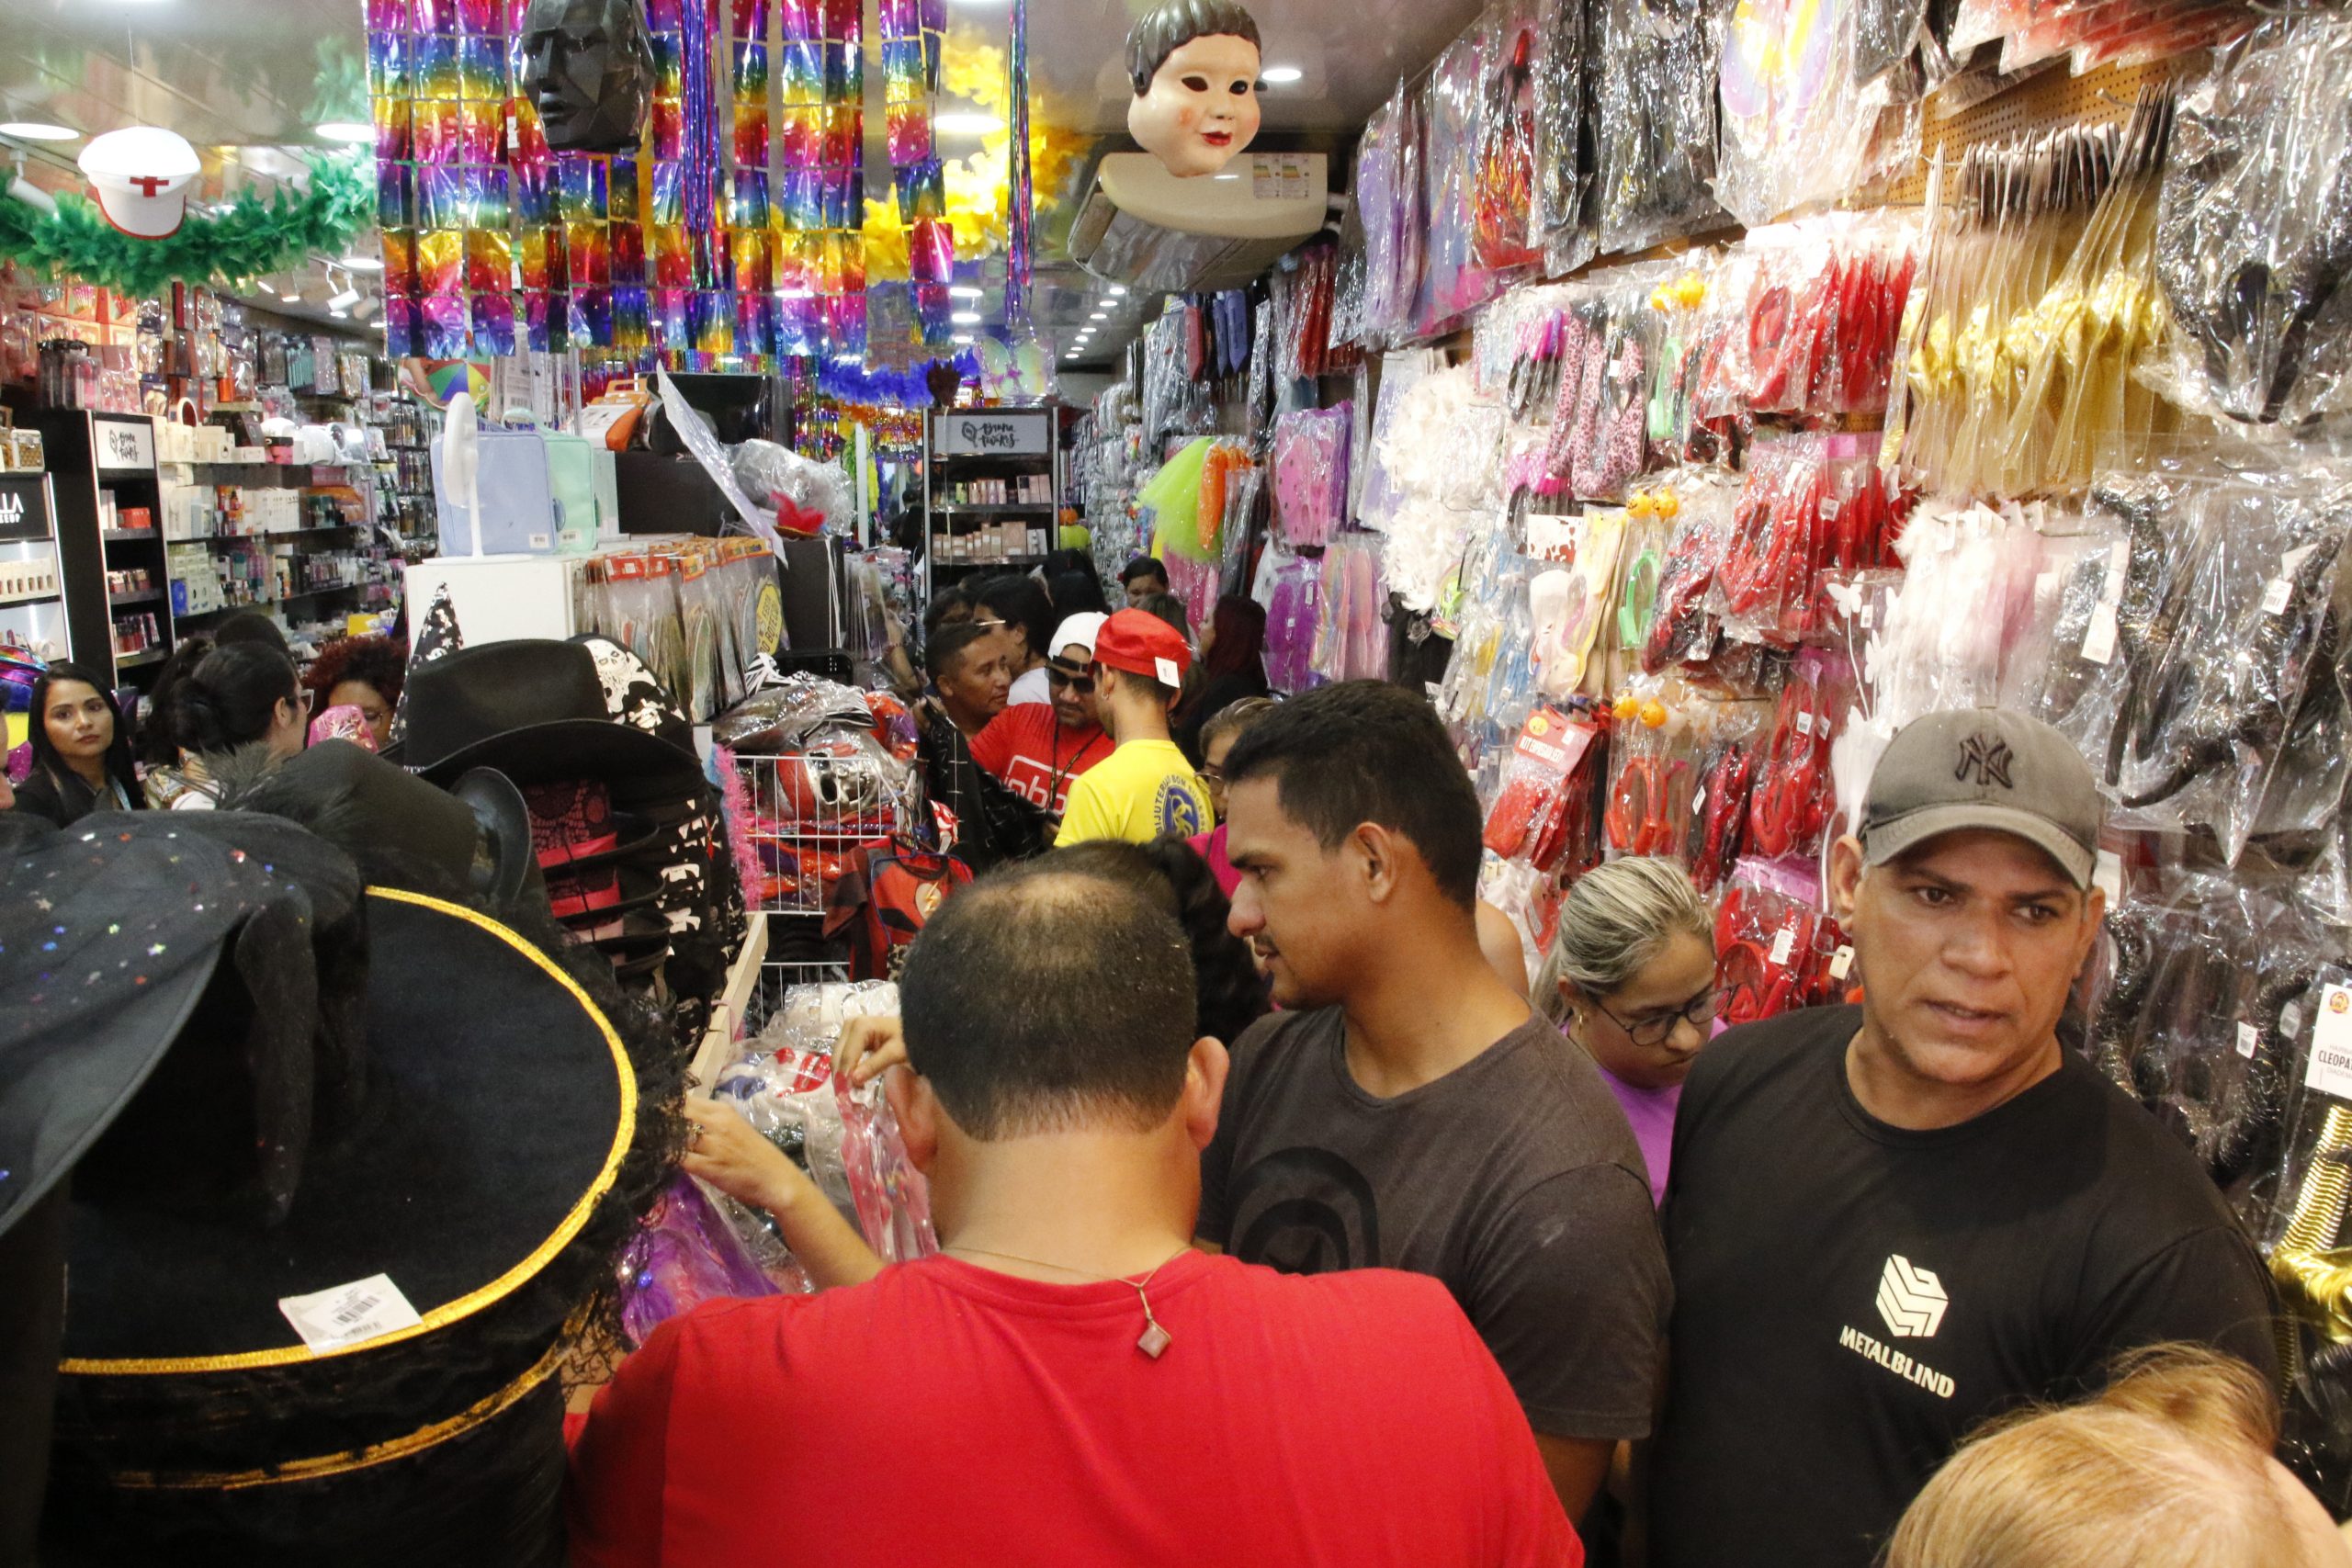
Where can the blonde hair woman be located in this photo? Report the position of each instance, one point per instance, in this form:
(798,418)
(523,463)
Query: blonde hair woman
(1630,978)
(2170,1467)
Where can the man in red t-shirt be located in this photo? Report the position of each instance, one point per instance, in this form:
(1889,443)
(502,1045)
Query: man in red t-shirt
(1069,1382)
(1038,750)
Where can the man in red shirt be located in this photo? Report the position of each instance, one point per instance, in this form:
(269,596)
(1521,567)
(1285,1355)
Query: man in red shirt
(1069,1382)
(1038,750)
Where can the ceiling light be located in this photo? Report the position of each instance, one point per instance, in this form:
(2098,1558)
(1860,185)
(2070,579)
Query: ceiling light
(963,337)
(1100,316)
(340,315)
(1118,291)
(1225,176)
(1280,75)
(267,287)
(37,130)
(965,317)
(964,291)
(343,302)
(362,264)
(955,124)
(351,131)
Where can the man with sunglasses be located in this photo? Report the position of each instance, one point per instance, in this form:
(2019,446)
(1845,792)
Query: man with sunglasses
(1039,750)
(1890,1221)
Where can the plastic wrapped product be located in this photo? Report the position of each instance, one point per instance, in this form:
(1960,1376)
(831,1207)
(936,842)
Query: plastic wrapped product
(1796,128)
(1775,950)
(1310,473)
(684,1254)
(1654,67)
(2210,706)
(1507,226)
(1563,171)
(2254,237)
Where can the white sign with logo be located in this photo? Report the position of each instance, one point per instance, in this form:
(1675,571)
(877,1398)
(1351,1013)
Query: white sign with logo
(1011,435)
(124,445)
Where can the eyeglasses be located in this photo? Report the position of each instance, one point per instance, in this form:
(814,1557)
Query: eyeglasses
(1211,773)
(1082,685)
(1653,1030)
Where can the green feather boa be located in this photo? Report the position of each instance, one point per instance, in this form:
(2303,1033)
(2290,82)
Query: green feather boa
(253,239)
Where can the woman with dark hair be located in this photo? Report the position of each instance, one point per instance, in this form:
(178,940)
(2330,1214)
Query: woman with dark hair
(364,673)
(241,695)
(1077,593)
(174,780)
(1021,603)
(81,750)
(1232,992)
(1233,666)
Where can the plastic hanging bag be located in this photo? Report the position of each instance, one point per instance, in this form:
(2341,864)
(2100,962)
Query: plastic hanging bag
(1563,175)
(2254,238)
(1654,67)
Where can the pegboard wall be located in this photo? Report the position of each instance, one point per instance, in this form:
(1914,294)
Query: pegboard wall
(2046,101)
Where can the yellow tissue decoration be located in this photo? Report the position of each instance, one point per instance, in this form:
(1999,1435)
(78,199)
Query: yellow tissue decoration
(979,187)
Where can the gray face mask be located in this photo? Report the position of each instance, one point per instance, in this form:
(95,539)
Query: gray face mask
(590,73)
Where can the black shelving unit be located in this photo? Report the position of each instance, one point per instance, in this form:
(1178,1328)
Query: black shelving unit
(967,445)
(92,459)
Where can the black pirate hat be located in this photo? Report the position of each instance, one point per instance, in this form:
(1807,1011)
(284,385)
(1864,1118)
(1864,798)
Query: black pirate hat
(504,1137)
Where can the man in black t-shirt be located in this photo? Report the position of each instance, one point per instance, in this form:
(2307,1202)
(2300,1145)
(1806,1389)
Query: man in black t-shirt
(1890,1221)
(967,664)
(1407,1110)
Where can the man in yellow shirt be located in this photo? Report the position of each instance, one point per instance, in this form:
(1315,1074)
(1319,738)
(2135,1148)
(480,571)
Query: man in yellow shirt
(1145,789)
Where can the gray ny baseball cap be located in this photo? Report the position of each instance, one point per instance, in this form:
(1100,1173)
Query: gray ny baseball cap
(1984,768)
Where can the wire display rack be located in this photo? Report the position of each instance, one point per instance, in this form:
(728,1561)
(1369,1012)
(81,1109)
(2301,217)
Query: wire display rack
(810,812)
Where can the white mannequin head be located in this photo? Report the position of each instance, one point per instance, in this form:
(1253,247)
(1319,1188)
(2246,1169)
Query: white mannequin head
(1194,65)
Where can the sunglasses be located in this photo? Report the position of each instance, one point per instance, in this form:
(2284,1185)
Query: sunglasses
(1082,685)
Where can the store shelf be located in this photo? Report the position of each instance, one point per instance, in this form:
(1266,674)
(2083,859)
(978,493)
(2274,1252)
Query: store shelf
(126,535)
(1008,561)
(133,661)
(124,601)
(8,600)
(979,511)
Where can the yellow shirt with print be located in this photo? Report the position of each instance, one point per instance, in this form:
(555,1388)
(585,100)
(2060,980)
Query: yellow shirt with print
(1143,791)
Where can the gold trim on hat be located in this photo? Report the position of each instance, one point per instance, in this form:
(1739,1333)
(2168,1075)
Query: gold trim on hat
(326,1465)
(505,1284)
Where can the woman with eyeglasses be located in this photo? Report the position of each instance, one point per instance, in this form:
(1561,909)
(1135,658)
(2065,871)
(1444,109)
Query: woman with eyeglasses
(1631,978)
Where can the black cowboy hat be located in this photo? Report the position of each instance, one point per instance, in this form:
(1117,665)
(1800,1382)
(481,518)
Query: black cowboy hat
(535,711)
(501,1151)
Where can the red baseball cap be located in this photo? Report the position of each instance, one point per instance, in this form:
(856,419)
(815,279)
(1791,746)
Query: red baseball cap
(1140,643)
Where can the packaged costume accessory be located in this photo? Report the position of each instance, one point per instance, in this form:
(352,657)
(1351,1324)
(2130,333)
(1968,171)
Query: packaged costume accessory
(2254,237)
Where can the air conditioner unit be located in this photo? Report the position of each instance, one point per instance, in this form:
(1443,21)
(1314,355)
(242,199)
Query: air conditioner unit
(1141,226)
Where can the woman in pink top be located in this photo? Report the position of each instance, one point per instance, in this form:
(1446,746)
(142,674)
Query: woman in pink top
(1631,978)
(1218,736)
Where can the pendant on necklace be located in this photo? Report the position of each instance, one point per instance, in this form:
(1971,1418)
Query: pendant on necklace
(1155,1339)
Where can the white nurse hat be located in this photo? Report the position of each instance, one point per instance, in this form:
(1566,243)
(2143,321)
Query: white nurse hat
(143,174)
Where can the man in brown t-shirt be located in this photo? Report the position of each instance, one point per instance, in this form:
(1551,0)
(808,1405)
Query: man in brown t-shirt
(1407,1110)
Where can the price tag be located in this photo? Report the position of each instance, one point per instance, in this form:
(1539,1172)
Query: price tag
(1804,723)
(349,1315)
(2106,875)
(1783,944)
(2249,1038)
(2118,568)
(1870,616)
(2098,642)
(1841,963)
(2330,1069)
(1697,800)
(2275,596)
(1830,507)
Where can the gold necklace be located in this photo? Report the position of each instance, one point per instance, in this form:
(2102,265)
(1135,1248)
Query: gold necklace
(1154,1339)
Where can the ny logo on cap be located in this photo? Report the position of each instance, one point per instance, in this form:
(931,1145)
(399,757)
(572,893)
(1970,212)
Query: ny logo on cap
(1985,758)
